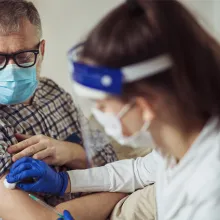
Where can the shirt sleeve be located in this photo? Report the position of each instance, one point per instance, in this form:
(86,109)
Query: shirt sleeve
(7,139)
(121,176)
(100,149)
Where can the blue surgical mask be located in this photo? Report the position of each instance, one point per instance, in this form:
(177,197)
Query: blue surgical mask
(17,84)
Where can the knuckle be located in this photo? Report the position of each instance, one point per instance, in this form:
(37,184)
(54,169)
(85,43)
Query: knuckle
(44,144)
(47,141)
(34,149)
(30,150)
(16,147)
(40,136)
(49,152)
(53,149)
(26,143)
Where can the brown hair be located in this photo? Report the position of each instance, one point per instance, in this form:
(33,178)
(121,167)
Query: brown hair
(143,30)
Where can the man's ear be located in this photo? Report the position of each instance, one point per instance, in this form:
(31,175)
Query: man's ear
(148,112)
(42,48)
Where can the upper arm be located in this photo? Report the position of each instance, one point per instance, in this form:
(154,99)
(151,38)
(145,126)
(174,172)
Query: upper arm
(17,205)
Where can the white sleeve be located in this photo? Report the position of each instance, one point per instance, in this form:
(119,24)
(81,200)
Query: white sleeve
(120,176)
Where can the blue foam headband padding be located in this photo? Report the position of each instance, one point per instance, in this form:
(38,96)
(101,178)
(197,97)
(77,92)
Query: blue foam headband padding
(108,80)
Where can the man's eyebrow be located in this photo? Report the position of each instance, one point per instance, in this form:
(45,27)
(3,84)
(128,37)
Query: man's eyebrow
(23,49)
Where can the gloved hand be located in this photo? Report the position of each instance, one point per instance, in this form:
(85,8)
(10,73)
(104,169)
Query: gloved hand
(67,216)
(46,179)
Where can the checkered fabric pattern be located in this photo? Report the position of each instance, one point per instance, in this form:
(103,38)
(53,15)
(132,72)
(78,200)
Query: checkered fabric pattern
(51,113)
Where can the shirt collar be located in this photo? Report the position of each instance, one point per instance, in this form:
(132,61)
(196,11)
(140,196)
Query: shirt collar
(209,133)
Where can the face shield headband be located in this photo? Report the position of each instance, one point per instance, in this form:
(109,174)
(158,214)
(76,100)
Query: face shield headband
(97,82)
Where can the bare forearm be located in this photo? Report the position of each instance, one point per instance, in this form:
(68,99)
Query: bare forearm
(92,207)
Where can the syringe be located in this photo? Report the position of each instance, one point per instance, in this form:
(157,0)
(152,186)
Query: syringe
(46,205)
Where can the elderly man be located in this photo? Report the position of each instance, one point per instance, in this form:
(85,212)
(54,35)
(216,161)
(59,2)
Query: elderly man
(32,105)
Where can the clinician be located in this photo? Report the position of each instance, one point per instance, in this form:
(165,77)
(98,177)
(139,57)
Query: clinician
(153,54)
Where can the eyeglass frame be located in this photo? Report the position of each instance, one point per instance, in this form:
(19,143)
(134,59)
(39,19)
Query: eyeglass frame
(13,55)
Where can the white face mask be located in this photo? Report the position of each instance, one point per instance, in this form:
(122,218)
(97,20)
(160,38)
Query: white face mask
(113,128)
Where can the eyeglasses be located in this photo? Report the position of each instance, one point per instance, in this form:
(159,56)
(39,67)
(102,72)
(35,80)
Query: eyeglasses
(23,59)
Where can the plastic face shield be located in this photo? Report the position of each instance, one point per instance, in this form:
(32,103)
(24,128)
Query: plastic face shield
(95,142)
(95,82)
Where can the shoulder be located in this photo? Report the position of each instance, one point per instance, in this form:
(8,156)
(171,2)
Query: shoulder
(48,88)
(46,83)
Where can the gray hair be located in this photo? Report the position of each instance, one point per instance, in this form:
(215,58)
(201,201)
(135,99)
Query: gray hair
(11,13)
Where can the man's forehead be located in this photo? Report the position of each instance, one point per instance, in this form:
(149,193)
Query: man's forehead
(25,38)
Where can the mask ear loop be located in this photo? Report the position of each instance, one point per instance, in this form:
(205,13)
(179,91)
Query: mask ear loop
(145,126)
(125,109)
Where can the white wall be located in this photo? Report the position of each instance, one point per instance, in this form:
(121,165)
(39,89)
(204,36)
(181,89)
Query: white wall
(204,11)
(66,21)
(217,19)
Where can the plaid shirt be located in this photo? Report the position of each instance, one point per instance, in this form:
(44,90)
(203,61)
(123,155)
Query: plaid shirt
(51,113)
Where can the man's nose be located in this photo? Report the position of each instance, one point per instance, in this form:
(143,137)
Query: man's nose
(11,61)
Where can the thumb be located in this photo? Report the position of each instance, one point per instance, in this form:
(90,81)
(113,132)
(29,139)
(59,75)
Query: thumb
(25,186)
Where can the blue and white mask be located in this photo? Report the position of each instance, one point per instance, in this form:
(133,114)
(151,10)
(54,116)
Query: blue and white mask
(17,84)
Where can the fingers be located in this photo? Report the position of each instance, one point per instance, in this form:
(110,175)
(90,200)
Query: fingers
(21,161)
(21,137)
(23,169)
(28,187)
(29,151)
(24,144)
(24,174)
(50,161)
(41,155)
(20,168)
(11,176)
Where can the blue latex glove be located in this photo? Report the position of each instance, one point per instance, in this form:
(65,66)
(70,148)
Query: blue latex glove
(67,216)
(46,179)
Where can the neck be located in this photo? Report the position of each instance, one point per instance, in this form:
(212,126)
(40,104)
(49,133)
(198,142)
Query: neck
(178,142)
